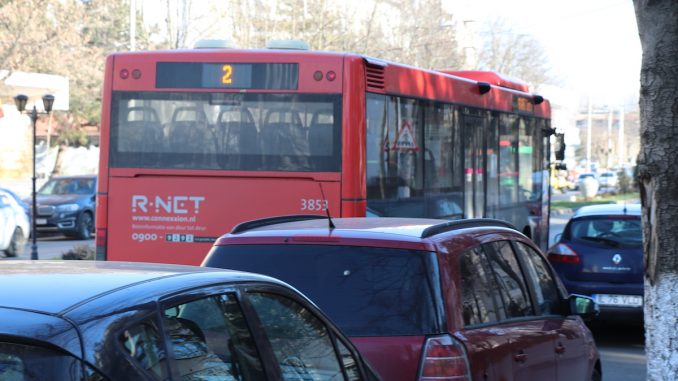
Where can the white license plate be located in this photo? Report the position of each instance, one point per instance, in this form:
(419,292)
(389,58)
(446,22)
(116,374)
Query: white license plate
(619,300)
(41,221)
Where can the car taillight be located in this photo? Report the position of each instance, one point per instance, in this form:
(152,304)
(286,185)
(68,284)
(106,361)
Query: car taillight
(444,358)
(561,253)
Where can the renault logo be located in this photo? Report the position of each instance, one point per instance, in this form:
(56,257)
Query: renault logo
(616,259)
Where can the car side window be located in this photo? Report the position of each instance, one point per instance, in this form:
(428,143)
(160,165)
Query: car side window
(143,343)
(509,278)
(23,362)
(479,301)
(539,275)
(300,341)
(210,339)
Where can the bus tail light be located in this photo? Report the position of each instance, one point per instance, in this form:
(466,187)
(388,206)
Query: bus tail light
(136,73)
(124,73)
(331,76)
(100,244)
(318,75)
(561,253)
(444,358)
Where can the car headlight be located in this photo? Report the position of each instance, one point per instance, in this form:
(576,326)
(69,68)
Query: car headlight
(67,208)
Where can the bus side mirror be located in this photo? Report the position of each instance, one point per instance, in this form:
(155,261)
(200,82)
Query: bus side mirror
(559,148)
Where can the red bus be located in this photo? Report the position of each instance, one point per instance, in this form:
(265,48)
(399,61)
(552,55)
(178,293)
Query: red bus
(196,141)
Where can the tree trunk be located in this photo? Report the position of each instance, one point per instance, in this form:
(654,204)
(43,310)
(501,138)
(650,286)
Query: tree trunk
(658,178)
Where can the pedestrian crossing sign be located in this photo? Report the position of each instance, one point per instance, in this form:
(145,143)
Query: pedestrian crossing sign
(405,140)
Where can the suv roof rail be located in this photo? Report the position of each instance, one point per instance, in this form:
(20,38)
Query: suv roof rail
(248,225)
(462,224)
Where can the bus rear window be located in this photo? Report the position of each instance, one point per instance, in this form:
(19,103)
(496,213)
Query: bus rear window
(367,291)
(226,131)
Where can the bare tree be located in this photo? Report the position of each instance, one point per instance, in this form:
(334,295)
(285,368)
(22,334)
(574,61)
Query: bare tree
(658,171)
(513,54)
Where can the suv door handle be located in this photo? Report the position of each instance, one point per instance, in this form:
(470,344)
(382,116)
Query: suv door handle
(520,357)
(560,349)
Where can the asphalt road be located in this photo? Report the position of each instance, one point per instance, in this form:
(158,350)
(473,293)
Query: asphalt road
(622,348)
(53,247)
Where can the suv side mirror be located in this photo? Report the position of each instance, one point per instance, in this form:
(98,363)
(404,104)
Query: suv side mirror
(583,306)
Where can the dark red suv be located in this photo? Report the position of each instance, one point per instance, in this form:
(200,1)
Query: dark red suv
(427,299)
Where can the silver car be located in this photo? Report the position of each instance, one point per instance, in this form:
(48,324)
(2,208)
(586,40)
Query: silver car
(14,225)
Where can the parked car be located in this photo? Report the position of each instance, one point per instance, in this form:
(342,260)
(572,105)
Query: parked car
(600,254)
(427,299)
(22,203)
(135,321)
(583,177)
(15,227)
(608,180)
(66,205)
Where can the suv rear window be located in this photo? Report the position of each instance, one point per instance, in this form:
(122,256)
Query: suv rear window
(367,291)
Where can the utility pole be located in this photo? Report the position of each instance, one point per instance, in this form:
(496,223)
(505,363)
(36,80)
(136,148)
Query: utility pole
(588,138)
(608,153)
(620,144)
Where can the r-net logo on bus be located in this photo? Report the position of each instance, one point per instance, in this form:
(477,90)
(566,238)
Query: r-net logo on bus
(166,205)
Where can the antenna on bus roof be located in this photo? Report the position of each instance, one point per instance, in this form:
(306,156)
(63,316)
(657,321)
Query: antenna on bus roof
(327,207)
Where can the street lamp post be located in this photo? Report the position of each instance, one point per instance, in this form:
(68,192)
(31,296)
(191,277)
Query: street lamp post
(47,101)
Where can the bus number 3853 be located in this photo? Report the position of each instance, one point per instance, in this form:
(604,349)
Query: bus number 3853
(313,204)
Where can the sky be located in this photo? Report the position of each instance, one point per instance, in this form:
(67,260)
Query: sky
(593,45)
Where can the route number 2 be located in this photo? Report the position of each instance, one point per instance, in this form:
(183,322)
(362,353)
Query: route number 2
(313,204)
(227,71)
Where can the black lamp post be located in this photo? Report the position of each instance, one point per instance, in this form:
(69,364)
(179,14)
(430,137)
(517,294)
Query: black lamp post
(47,101)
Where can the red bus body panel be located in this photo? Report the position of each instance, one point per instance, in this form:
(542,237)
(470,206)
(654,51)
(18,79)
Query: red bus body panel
(176,219)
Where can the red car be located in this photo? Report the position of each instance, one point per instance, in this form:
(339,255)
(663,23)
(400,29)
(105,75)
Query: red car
(428,299)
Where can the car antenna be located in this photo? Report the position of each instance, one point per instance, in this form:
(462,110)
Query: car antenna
(327,207)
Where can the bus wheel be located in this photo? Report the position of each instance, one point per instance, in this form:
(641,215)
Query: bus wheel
(85,226)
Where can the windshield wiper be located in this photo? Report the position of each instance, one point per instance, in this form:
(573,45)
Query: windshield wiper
(607,241)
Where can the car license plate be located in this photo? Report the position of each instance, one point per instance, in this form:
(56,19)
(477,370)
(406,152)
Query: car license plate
(619,300)
(41,221)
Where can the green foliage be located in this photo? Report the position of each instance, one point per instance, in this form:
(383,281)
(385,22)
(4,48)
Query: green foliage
(606,199)
(72,136)
(79,252)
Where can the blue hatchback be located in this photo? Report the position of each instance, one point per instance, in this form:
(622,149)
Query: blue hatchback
(600,254)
